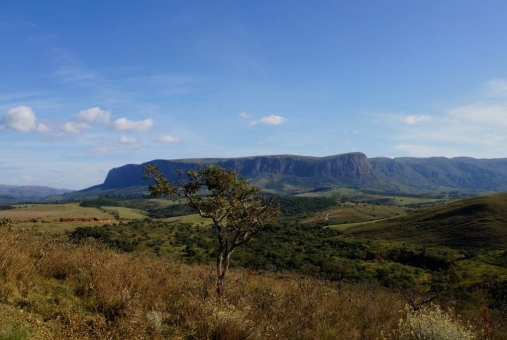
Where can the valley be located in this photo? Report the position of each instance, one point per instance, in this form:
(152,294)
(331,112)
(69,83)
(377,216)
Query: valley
(410,244)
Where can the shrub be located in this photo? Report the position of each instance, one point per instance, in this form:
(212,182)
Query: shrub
(432,323)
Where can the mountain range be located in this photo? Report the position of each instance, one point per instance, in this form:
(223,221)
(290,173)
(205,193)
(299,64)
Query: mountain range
(15,193)
(293,174)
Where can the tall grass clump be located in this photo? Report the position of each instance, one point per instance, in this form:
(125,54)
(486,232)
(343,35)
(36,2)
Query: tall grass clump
(432,323)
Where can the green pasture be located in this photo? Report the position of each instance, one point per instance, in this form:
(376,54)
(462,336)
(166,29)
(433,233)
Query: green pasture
(126,213)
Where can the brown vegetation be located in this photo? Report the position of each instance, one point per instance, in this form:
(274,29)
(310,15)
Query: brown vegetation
(52,289)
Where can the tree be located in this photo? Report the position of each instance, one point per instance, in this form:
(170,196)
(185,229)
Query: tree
(237,209)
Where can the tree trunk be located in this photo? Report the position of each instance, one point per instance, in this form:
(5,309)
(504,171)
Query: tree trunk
(222,266)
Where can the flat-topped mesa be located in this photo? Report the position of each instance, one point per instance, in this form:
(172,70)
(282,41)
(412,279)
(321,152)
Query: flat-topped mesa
(350,166)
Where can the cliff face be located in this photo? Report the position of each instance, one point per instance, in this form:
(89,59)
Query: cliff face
(346,167)
(353,170)
(438,173)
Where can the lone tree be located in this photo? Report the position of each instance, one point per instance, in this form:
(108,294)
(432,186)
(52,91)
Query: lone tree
(237,209)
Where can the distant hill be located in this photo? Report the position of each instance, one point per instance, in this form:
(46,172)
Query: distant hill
(471,224)
(14,193)
(292,174)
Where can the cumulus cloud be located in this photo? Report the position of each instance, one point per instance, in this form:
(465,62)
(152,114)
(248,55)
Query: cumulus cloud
(168,139)
(94,115)
(22,119)
(269,120)
(272,120)
(128,140)
(85,119)
(123,124)
(411,120)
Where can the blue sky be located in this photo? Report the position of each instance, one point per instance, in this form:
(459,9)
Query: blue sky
(86,86)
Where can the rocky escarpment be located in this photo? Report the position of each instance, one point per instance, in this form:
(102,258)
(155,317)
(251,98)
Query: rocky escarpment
(346,167)
(286,173)
(440,173)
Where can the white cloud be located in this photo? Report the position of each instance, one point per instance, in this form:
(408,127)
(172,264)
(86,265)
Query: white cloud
(94,115)
(123,124)
(411,120)
(74,127)
(168,139)
(482,113)
(269,120)
(22,119)
(244,115)
(476,130)
(128,140)
(85,120)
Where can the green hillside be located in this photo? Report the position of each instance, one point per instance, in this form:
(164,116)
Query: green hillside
(478,223)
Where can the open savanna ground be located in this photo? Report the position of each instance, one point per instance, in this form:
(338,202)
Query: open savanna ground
(47,217)
(470,235)
(355,212)
(353,195)
(53,289)
(50,211)
(454,250)
(478,223)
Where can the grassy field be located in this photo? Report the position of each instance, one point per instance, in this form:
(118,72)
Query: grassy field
(46,217)
(51,211)
(54,289)
(355,212)
(194,219)
(478,223)
(352,195)
(126,213)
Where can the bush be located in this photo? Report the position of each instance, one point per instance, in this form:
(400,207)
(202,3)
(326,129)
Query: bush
(432,323)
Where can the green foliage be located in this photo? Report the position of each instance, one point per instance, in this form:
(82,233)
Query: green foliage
(171,211)
(472,224)
(101,202)
(237,209)
(284,247)
(5,207)
(294,205)
(103,234)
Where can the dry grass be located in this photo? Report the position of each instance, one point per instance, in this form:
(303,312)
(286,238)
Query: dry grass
(51,211)
(52,289)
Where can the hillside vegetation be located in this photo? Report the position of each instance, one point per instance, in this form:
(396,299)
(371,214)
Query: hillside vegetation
(52,289)
(153,278)
(478,223)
